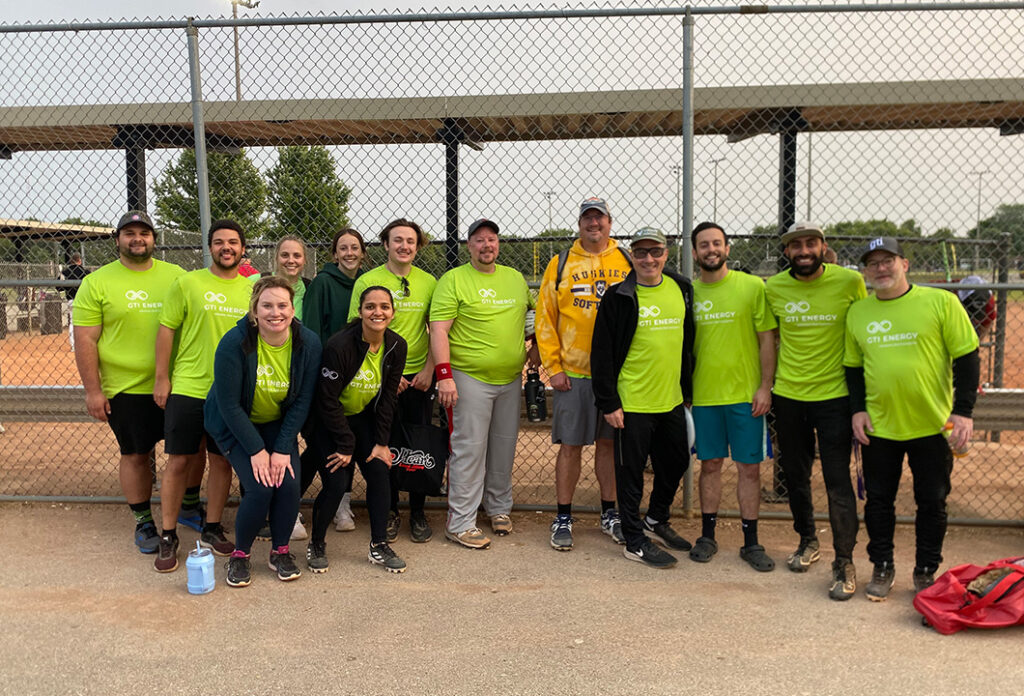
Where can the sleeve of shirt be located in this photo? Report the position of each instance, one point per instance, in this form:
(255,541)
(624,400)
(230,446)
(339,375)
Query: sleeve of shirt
(444,304)
(172,314)
(957,331)
(548,343)
(88,310)
(861,290)
(764,320)
(852,356)
(353,303)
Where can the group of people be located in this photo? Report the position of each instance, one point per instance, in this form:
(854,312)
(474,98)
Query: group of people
(231,371)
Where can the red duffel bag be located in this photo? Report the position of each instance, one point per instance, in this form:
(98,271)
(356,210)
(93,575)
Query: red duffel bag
(972,596)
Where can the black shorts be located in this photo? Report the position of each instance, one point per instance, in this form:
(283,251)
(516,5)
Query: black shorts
(137,422)
(183,426)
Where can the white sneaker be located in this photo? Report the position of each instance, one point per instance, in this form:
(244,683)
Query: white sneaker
(298,531)
(343,519)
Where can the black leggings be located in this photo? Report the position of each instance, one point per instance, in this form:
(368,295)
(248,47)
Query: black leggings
(413,407)
(334,484)
(281,503)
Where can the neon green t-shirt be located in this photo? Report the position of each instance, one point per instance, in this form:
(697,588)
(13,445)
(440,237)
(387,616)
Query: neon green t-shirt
(300,294)
(487,338)
(358,393)
(906,346)
(273,374)
(729,314)
(812,327)
(411,312)
(127,305)
(203,307)
(649,379)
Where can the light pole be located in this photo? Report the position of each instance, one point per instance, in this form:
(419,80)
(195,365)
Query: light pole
(238,63)
(678,171)
(550,196)
(981,175)
(714,199)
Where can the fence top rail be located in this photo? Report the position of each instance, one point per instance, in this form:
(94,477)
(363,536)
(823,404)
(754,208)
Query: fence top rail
(499,15)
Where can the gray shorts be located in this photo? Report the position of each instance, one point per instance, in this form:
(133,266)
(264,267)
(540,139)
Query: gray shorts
(576,419)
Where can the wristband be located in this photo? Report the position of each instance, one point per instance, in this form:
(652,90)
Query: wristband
(443,371)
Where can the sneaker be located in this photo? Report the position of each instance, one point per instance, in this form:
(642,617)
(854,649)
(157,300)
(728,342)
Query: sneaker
(419,529)
(382,555)
(298,531)
(316,556)
(501,525)
(808,552)
(344,520)
(283,563)
(471,538)
(264,533)
(612,526)
(923,578)
(146,537)
(663,533)
(882,579)
(167,553)
(394,524)
(193,518)
(561,532)
(844,580)
(213,538)
(239,571)
(650,554)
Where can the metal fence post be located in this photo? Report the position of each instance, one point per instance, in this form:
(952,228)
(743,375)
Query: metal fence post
(199,132)
(687,259)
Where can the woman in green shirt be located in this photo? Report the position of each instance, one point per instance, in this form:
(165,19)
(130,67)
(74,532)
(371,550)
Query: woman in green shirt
(289,262)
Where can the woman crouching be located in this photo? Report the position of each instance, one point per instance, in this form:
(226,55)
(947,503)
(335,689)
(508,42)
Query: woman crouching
(264,380)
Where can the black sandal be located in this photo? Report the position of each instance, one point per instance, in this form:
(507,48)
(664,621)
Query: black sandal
(757,558)
(703,549)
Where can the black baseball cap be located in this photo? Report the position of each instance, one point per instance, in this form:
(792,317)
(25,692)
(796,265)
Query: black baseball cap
(482,222)
(882,244)
(133,217)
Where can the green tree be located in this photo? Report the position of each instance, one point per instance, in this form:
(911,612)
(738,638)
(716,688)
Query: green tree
(306,196)
(1008,219)
(237,191)
(942,233)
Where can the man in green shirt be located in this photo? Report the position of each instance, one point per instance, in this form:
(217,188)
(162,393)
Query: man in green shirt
(411,291)
(732,388)
(477,337)
(810,301)
(115,324)
(912,368)
(200,308)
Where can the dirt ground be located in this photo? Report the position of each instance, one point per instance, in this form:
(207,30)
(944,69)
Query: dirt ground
(518,618)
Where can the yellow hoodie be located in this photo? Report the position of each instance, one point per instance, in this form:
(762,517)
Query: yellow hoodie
(565,318)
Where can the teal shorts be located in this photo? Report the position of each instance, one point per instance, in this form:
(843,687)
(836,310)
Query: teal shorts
(721,429)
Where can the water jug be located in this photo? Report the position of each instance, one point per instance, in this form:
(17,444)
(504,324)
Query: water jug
(200,570)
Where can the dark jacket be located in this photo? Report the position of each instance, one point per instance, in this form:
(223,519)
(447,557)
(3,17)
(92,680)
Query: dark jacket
(617,316)
(342,358)
(227,408)
(325,306)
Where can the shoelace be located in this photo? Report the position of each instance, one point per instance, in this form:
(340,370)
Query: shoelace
(384,551)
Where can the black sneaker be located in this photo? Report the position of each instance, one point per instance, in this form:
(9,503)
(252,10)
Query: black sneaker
(167,553)
(382,555)
(284,565)
(923,578)
(882,579)
(650,554)
(807,552)
(419,529)
(394,524)
(316,556)
(239,571)
(146,537)
(213,538)
(663,533)
(844,580)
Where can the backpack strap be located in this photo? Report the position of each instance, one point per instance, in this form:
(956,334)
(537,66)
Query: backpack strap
(563,257)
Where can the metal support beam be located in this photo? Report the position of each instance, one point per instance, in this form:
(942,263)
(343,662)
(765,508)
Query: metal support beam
(687,259)
(135,175)
(787,179)
(451,135)
(199,133)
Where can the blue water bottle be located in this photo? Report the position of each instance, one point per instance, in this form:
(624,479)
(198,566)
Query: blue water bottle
(200,570)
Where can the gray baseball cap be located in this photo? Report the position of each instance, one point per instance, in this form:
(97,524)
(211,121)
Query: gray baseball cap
(595,203)
(802,229)
(133,217)
(882,244)
(651,233)
(482,222)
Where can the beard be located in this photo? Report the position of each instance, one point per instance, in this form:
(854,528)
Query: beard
(808,270)
(144,255)
(712,267)
(227,267)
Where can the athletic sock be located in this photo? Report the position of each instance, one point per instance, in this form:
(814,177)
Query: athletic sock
(191,499)
(143,512)
(607,505)
(749,532)
(708,520)
(565,509)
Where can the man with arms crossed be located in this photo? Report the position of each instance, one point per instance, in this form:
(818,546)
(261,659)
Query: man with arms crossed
(732,388)
(810,301)
(203,305)
(115,322)
(570,291)
(912,365)
(642,364)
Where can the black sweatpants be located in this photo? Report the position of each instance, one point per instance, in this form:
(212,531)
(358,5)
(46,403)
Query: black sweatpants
(931,463)
(795,425)
(413,407)
(662,436)
(334,484)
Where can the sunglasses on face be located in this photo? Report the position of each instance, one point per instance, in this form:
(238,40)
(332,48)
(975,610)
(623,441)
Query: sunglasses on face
(405,286)
(644,252)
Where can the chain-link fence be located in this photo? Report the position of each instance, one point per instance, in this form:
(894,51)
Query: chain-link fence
(871,122)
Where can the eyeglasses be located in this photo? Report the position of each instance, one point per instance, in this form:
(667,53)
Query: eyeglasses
(879,264)
(644,252)
(405,285)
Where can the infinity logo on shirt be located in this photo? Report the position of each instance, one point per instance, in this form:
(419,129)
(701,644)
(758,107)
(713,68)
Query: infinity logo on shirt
(212,296)
(329,374)
(879,326)
(264,371)
(486,292)
(136,295)
(801,307)
(648,312)
(704,306)
(363,376)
